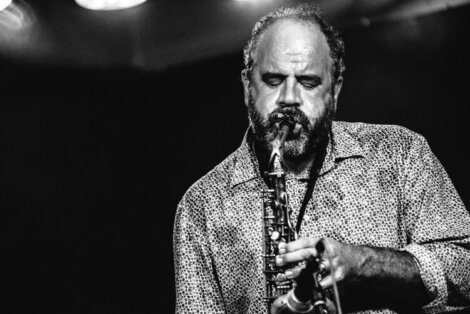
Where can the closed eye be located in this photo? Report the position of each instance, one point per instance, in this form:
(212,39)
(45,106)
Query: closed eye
(272,79)
(309,82)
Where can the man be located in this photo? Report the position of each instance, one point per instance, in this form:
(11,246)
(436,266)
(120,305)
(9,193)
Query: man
(396,231)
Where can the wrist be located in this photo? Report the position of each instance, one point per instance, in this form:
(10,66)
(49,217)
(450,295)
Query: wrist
(388,277)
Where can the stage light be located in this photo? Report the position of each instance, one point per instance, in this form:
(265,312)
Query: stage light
(4,4)
(19,32)
(108,4)
(15,19)
(254,1)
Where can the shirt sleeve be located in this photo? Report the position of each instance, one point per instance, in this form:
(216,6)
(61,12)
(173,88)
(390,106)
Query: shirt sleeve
(197,289)
(438,230)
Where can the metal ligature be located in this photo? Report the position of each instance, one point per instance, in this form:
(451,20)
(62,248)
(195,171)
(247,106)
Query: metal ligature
(304,295)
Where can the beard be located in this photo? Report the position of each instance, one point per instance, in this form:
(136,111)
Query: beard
(302,141)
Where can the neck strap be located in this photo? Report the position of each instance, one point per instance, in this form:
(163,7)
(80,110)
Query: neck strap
(314,174)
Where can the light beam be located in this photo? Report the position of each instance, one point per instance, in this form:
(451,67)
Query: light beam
(106,5)
(4,4)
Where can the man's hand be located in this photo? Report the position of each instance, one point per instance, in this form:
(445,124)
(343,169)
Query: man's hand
(341,261)
(369,277)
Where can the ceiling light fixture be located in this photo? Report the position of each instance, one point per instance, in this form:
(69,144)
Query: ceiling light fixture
(254,1)
(108,4)
(4,4)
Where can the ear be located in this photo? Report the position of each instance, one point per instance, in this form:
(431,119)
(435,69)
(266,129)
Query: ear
(246,85)
(337,90)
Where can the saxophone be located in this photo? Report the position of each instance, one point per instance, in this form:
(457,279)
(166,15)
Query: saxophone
(305,295)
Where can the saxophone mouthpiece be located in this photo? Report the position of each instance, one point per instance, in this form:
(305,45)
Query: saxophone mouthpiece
(284,125)
(284,121)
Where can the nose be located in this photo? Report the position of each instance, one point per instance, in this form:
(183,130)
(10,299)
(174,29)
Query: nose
(289,94)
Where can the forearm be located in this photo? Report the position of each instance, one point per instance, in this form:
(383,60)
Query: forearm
(445,269)
(383,278)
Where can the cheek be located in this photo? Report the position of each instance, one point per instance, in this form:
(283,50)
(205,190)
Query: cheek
(313,108)
(265,101)
(315,105)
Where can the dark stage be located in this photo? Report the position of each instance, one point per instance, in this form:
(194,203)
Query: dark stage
(95,159)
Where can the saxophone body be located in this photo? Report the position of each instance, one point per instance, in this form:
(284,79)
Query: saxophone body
(304,294)
(277,223)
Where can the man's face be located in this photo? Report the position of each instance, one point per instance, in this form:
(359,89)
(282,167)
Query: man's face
(292,75)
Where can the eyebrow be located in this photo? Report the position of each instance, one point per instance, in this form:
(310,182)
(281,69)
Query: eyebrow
(313,77)
(269,75)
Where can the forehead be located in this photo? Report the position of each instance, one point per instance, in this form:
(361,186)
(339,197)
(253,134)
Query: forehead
(293,43)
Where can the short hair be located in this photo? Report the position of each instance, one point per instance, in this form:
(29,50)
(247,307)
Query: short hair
(303,12)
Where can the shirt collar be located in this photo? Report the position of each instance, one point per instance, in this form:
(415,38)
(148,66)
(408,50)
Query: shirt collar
(246,165)
(343,145)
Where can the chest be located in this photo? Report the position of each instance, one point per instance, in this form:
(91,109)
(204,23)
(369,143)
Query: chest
(353,204)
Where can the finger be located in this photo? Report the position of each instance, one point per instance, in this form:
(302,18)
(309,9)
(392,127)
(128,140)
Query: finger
(327,281)
(297,256)
(309,242)
(292,273)
(324,266)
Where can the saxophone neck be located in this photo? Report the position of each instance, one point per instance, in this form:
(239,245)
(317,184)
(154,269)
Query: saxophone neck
(276,161)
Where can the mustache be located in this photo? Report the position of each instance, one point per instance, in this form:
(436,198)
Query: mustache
(291,113)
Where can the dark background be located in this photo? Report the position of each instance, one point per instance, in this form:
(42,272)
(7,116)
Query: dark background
(93,160)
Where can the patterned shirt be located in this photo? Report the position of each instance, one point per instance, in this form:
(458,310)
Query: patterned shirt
(379,186)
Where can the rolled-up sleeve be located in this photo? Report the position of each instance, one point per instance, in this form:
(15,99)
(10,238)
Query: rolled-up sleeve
(197,289)
(438,229)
